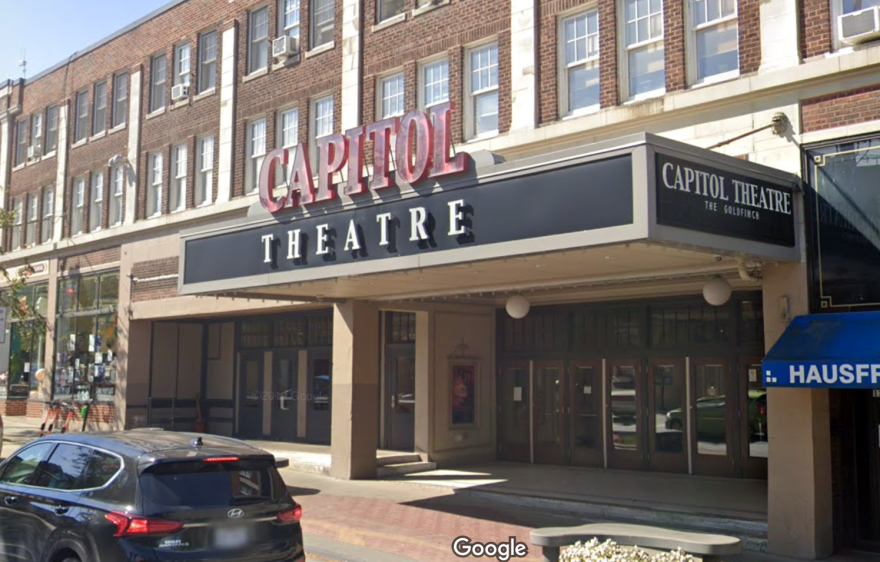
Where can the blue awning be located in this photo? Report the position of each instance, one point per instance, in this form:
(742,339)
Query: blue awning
(827,351)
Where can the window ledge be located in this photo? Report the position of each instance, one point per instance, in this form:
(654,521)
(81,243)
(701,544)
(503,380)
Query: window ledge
(156,113)
(205,94)
(100,135)
(49,155)
(255,74)
(645,97)
(19,167)
(429,7)
(154,216)
(483,136)
(322,49)
(180,103)
(288,61)
(79,143)
(399,18)
(117,128)
(581,112)
(716,79)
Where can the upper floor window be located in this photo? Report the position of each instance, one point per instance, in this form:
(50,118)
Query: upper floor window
(100,114)
(323,20)
(78,203)
(579,62)
(288,128)
(117,189)
(207,61)
(389,8)
(482,91)
(157,83)
(258,40)
(37,133)
(178,180)
(391,96)
(288,18)
(48,215)
(96,209)
(715,39)
(120,99)
(256,153)
(181,64)
(21,141)
(18,212)
(643,46)
(205,171)
(434,82)
(856,28)
(81,121)
(31,219)
(154,186)
(322,122)
(51,129)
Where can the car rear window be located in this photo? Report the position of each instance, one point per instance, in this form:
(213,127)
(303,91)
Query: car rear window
(200,485)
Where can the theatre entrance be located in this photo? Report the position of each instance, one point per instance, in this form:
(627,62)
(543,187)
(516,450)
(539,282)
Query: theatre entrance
(669,386)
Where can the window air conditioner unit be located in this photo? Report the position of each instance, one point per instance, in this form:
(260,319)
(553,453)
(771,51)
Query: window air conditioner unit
(285,46)
(859,27)
(31,152)
(179,92)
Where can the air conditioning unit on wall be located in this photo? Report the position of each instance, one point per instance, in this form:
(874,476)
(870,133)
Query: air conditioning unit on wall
(179,92)
(285,46)
(859,27)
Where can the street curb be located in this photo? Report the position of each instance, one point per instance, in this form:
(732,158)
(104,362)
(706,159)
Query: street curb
(333,550)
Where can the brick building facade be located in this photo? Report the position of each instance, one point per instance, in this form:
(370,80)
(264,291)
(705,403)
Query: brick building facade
(110,157)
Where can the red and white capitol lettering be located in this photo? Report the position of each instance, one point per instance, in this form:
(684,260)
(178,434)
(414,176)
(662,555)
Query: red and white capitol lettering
(422,150)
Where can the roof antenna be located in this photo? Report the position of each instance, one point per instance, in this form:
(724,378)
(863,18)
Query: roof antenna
(22,64)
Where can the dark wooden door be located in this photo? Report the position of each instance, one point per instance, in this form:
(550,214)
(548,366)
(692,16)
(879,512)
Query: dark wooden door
(514,399)
(666,415)
(549,417)
(714,406)
(585,413)
(625,417)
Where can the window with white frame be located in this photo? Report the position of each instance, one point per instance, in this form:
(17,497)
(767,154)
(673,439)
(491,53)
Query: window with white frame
(177,200)
(154,186)
(323,21)
(99,122)
(434,82)
(77,206)
(31,219)
(181,64)
(120,99)
(321,122)
(579,61)
(21,141)
(643,45)
(37,133)
(81,121)
(18,213)
(258,40)
(51,129)
(288,128)
(117,191)
(288,18)
(715,38)
(96,202)
(207,61)
(482,91)
(387,9)
(391,96)
(48,215)
(256,153)
(157,83)
(205,176)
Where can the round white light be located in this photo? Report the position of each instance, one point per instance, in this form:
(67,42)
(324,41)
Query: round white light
(518,306)
(717,291)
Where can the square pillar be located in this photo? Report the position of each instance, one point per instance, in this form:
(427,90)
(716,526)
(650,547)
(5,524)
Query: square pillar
(355,391)
(424,405)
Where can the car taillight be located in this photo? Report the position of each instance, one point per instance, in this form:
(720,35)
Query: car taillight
(134,526)
(291,515)
(221,459)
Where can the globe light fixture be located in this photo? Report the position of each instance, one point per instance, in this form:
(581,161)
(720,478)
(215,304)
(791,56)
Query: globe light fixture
(518,306)
(717,291)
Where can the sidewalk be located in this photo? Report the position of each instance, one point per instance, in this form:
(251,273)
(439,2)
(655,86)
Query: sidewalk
(18,430)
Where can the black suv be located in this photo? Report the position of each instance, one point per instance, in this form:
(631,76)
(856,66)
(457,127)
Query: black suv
(145,495)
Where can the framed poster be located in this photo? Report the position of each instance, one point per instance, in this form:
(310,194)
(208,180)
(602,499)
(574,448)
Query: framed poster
(464,377)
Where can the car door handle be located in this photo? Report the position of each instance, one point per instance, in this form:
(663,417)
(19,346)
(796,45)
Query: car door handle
(61,509)
(10,500)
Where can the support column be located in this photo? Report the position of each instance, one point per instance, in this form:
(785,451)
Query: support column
(355,392)
(522,64)
(61,172)
(780,44)
(424,404)
(134,145)
(226,142)
(351,64)
(799,503)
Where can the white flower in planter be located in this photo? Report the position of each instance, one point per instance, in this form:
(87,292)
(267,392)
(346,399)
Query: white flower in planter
(610,551)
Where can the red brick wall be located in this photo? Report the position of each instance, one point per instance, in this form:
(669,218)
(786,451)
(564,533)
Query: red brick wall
(674,45)
(13,408)
(35,409)
(146,287)
(90,259)
(840,109)
(815,18)
(749,13)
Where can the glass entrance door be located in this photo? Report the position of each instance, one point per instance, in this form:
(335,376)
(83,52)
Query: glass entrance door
(284,396)
(549,418)
(251,403)
(713,420)
(753,420)
(667,409)
(625,419)
(319,397)
(585,413)
(514,399)
(400,382)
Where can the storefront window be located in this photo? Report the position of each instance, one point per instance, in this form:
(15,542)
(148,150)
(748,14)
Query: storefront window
(86,337)
(23,347)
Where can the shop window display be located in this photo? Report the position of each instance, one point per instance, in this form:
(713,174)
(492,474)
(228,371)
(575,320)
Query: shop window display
(86,337)
(22,347)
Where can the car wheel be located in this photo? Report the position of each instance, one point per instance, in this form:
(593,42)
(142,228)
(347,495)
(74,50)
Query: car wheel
(71,559)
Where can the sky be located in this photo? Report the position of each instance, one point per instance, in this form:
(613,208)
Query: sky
(49,31)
